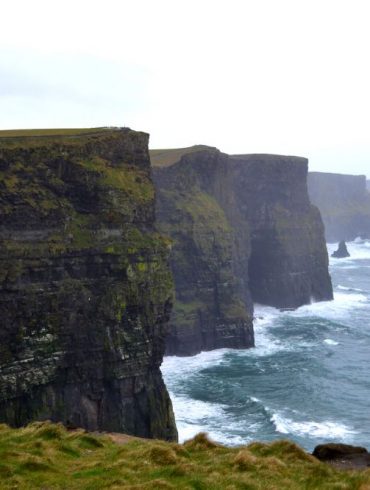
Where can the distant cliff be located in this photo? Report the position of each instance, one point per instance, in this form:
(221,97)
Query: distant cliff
(85,288)
(344,203)
(243,230)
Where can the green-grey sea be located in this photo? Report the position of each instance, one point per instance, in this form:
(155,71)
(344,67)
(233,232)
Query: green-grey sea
(307,379)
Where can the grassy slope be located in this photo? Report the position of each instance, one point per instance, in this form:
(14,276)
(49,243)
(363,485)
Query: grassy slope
(31,138)
(165,158)
(21,133)
(45,455)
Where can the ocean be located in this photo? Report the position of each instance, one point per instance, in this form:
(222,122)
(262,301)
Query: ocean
(307,379)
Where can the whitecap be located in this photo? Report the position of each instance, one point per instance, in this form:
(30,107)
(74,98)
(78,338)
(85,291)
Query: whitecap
(194,416)
(338,310)
(192,364)
(330,342)
(266,344)
(195,410)
(345,288)
(325,429)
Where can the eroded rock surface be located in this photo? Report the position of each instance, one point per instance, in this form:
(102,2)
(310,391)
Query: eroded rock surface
(85,287)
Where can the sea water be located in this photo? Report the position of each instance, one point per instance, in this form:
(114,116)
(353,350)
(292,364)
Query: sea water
(307,379)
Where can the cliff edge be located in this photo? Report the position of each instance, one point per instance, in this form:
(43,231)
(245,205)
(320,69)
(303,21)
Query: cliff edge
(85,287)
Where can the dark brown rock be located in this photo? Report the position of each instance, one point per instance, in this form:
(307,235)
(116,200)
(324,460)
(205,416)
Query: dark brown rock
(336,450)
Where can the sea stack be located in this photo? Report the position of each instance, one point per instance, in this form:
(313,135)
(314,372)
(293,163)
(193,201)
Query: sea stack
(85,287)
(342,251)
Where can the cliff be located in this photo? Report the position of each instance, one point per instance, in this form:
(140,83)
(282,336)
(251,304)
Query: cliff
(344,203)
(243,230)
(288,264)
(211,308)
(85,288)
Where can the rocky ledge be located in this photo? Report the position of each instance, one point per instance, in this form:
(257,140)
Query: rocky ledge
(85,287)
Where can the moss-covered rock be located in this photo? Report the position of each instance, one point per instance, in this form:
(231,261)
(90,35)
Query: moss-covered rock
(85,287)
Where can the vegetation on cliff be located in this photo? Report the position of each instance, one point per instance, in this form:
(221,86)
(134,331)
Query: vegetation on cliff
(45,455)
(167,157)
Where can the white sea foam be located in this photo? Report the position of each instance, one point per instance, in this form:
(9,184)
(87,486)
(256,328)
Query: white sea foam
(325,429)
(187,365)
(341,308)
(194,416)
(331,342)
(345,288)
(196,410)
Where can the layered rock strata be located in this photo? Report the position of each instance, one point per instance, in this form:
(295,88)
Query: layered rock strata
(344,203)
(243,230)
(85,287)
(213,305)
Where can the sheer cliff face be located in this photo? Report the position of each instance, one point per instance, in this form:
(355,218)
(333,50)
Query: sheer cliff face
(85,288)
(243,228)
(344,203)
(210,309)
(288,264)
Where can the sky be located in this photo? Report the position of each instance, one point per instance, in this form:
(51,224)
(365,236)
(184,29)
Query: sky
(247,76)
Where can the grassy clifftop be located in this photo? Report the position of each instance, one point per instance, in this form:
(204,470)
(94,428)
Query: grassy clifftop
(167,157)
(45,455)
(11,137)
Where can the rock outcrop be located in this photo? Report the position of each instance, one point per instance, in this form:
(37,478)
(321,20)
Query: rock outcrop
(343,456)
(333,450)
(342,251)
(85,287)
(243,230)
(344,203)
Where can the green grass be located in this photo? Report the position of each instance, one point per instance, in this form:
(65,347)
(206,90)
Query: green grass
(22,133)
(45,455)
(167,157)
(35,138)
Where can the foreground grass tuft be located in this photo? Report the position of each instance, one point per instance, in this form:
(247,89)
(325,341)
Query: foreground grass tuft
(46,455)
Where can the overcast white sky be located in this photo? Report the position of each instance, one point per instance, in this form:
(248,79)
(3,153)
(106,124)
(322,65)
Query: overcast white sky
(248,76)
